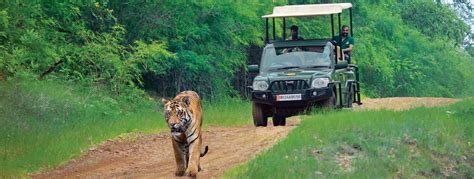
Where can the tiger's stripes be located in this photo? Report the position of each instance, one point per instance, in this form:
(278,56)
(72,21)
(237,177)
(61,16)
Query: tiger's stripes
(184,117)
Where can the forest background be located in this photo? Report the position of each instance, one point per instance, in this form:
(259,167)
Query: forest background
(404,48)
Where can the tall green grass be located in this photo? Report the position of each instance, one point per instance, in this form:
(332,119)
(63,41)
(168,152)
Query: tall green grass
(45,123)
(227,112)
(422,142)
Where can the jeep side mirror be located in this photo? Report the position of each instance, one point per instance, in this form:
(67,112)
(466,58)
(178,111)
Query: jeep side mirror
(341,65)
(253,68)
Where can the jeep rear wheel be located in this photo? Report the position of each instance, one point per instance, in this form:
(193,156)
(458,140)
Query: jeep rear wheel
(279,120)
(259,118)
(350,95)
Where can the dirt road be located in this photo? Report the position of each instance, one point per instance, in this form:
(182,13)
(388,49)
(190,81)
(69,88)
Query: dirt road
(151,156)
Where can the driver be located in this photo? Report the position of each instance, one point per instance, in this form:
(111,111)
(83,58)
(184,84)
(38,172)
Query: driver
(294,33)
(294,36)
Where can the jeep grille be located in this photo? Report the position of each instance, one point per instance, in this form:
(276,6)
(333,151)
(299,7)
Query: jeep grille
(288,85)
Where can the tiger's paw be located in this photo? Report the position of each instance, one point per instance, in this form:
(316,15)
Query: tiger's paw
(179,173)
(191,173)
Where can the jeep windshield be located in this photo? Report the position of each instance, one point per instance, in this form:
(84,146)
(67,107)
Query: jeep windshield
(299,57)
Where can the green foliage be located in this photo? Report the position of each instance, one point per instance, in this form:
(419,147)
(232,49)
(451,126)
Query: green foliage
(46,123)
(402,47)
(398,58)
(82,38)
(208,39)
(153,57)
(434,20)
(422,142)
(470,50)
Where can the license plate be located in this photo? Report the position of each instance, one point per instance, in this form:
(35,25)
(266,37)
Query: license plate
(288,97)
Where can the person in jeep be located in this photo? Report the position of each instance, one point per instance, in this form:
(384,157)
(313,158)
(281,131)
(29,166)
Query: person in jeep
(294,33)
(346,43)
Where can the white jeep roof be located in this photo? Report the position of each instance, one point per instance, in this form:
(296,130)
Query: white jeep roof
(308,10)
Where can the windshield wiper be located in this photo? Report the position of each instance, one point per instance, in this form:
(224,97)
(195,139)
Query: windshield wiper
(285,68)
(317,66)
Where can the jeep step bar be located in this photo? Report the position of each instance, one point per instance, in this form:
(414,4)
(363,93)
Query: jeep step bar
(357,89)
(355,84)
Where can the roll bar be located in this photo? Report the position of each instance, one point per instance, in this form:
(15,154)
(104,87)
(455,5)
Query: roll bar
(307,11)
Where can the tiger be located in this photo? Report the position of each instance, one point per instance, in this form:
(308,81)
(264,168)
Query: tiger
(183,115)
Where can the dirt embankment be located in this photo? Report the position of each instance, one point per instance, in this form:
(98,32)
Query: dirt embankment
(403,103)
(151,156)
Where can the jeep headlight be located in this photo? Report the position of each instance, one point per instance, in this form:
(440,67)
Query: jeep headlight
(320,82)
(260,85)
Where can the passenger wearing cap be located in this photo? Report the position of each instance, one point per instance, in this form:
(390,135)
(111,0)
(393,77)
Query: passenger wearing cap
(294,33)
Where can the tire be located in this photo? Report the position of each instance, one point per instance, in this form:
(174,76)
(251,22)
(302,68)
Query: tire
(350,95)
(259,118)
(279,120)
(330,103)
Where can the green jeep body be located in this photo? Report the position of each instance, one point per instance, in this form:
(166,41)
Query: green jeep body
(298,75)
(295,76)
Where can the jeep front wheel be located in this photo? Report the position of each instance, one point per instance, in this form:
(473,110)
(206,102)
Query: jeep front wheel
(259,118)
(330,102)
(279,120)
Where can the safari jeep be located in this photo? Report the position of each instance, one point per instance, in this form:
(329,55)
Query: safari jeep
(294,76)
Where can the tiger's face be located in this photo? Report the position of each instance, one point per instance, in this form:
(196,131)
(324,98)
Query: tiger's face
(177,115)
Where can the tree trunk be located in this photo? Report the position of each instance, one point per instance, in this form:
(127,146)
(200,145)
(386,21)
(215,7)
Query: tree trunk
(50,69)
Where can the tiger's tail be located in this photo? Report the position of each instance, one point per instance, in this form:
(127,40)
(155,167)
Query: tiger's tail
(205,151)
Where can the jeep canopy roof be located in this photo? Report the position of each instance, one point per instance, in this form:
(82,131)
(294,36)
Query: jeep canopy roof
(308,10)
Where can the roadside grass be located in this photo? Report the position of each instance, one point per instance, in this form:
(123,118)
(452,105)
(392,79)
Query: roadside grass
(421,142)
(46,123)
(227,112)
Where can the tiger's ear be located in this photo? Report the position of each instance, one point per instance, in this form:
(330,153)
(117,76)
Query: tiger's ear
(187,101)
(164,100)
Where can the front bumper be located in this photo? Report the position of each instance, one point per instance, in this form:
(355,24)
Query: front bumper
(308,97)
